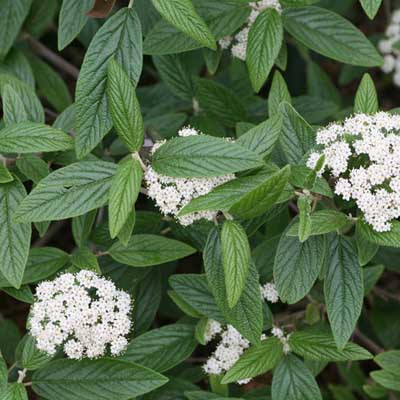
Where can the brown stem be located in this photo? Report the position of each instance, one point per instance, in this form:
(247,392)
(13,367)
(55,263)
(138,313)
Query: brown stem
(367,342)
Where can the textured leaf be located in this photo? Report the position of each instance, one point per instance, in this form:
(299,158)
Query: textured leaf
(161,349)
(256,361)
(124,191)
(31,137)
(82,227)
(40,17)
(390,238)
(297,266)
(85,259)
(264,43)
(12,16)
(119,38)
(297,136)
(3,373)
(33,167)
(366,100)
(13,106)
(371,7)
(147,250)
(5,175)
(15,391)
(246,316)
(68,192)
(124,107)
(236,258)
(293,381)
(278,93)
(32,358)
(202,156)
(343,288)
(388,379)
(331,35)
(322,347)
(105,379)
(17,65)
(182,15)
(389,359)
(71,20)
(15,238)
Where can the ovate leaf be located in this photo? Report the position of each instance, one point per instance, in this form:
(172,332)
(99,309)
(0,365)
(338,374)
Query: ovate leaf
(104,379)
(371,7)
(182,15)
(343,288)
(120,38)
(278,93)
(15,391)
(366,100)
(125,188)
(388,379)
(124,107)
(5,175)
(264,43)
(236,257)
(68,192)
(331,35)
(31,357)
(13,106)
(85,259)
(15,238)
(390,238)
(147,250)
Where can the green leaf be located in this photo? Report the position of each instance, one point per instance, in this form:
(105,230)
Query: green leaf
(324,221)
(304,206)
(366,100)
(17,65)
(105,379)
(82,227)
(371,7)
(247,196)
(292,380)
(297,136)
(389,359)
(68,192)
(5,175)
(32,358)
(119,38)
(124,107)
(3,373)
(183,306)
(262,138)
(182,15)
(124,191)
(24,293)
(40,17)
(85,259)
(15,238)
(297,266)
(50,84)
(126,231)
(203,156)
(331,35)
(12,17)
(246,316)
(162,349)
(236,256)
(343,288)
(371,276)
(278,93)
(388,379)
(366,250)
(33,167)
(256,361)
(322,347)
(264,43)
(147,250)
(390,238)
(13,106)
(15,391)
(71,20)
(32,137)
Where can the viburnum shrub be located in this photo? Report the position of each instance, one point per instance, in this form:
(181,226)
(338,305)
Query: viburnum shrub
(199,200)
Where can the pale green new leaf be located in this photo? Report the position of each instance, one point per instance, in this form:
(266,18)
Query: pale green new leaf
(203,156)
(278,93)
(147,250)
(13,107)
(292,380)
(322,347)
(236,256)
(343,288)
(103,379)
(256,361)
(68,192)
(182,15)
(124,191)
(15,238)
(371,7)
(71,20)
(32,137)
(331,35)
(124,107)
(119,38)
(264,43)
(366,100)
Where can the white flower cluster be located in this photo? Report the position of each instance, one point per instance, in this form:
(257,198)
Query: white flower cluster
(390,48)
(238,43)
(278,332)
(363,152)
(269,293)
(83,312)
(172,194)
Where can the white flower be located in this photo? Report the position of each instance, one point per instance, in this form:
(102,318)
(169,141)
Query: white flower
(83,313)
(284,339)
(213,328)
(172,194)
(269,293)
(363,152)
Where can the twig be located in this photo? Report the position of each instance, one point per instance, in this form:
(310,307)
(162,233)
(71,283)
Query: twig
(50,233)
(386,295)
(54,58)
(368,343)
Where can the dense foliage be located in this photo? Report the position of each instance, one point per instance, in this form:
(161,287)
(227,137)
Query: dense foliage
(199,199)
